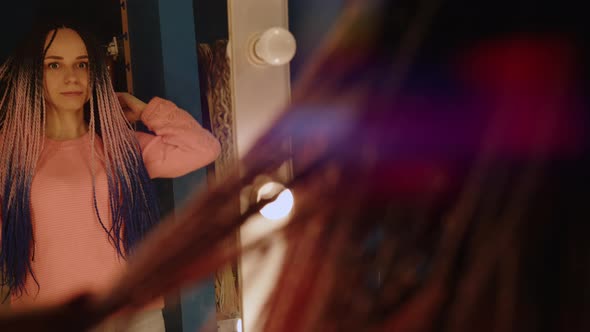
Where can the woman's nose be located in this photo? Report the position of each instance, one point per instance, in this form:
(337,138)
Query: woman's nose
(71,76)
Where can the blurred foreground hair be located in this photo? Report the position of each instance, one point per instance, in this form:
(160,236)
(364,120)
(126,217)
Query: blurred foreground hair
(440,181)
(440,176)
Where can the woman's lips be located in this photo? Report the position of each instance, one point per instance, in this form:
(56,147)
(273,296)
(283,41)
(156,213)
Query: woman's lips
(72,93)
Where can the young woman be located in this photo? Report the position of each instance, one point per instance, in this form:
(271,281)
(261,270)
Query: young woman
(75,179)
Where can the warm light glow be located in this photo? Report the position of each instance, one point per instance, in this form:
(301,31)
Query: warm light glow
(280,207)
(239,325)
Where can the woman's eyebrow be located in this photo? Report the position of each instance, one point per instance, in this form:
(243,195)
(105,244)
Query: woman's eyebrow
(55,57)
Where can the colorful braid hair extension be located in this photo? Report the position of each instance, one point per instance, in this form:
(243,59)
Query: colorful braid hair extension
(133,202)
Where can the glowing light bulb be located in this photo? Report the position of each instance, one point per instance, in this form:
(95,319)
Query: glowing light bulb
(238,325)
(281,207)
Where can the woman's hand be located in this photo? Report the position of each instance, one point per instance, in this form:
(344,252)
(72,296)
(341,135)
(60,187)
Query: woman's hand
(132,106)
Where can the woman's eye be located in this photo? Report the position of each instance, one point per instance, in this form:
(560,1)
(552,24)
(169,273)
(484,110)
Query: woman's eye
(53,65)
(83,65)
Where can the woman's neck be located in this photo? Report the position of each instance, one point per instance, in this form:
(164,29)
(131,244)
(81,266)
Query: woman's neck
(65,125)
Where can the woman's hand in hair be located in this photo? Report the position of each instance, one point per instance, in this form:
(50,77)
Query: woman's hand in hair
(132,106)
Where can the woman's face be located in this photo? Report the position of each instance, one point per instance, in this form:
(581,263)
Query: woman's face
(65,72)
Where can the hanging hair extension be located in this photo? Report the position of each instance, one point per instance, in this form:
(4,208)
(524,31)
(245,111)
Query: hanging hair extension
(133,203)
(22,114)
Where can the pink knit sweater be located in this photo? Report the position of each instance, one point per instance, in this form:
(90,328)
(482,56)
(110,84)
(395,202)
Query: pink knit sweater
(72,253)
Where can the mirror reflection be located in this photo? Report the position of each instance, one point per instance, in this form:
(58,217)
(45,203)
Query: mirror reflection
(88,156)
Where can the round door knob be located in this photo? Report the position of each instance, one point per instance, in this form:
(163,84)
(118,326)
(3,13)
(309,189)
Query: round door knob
(275,47)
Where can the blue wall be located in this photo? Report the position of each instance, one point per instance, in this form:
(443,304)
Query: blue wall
(164,63)
(310,21)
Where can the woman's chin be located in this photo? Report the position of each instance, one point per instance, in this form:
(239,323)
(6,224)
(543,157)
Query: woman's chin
(69,107)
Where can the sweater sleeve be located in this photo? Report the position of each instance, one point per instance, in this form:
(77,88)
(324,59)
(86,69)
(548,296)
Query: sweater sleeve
(180,145)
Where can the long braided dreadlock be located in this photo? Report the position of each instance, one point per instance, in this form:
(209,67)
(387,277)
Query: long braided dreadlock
(132,199)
